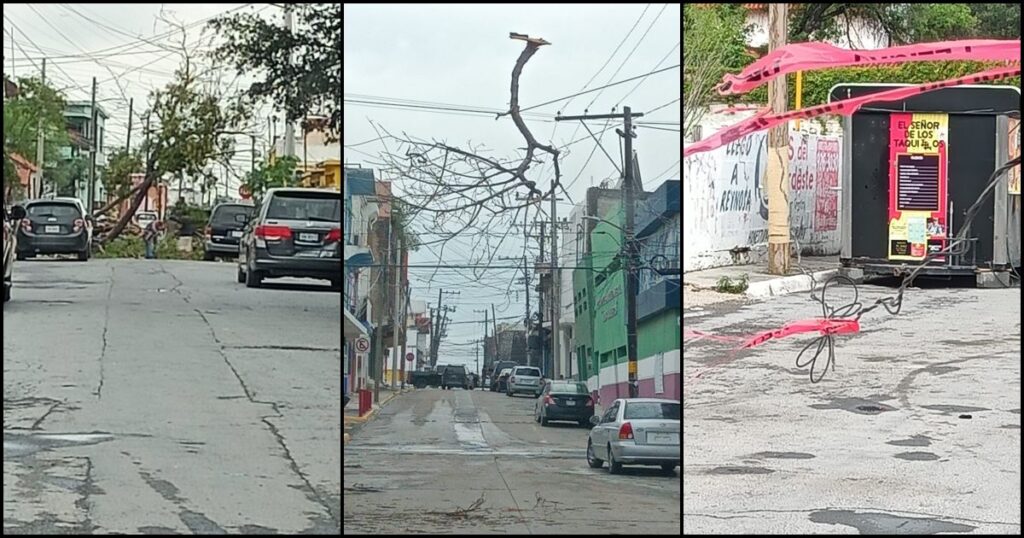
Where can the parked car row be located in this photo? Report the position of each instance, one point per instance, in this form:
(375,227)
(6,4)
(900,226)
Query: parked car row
(54,226)
(45,226)
(290,232)
(632,431)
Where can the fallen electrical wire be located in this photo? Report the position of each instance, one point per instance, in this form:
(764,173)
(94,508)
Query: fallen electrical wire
(854,310)
(845,318)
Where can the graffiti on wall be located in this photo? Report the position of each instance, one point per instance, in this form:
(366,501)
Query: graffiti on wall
(725,203)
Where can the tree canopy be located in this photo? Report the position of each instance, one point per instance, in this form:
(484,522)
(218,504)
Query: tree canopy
(300,69)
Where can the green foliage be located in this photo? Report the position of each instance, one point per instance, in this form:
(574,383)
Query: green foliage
(126,246)
(728,285)
(36,104)
(300,69)
(997,21)
(816,84)
(905,23)
(132,246)
(280,173)
(121,164)
(66,173)
(713,45)
(940,22)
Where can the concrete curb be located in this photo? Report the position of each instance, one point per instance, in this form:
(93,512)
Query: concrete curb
(355,419)
(788,284)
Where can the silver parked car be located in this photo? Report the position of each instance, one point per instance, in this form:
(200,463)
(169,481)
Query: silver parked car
(636,431)
(524,379)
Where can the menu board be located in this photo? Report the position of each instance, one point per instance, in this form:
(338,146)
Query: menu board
(917,182)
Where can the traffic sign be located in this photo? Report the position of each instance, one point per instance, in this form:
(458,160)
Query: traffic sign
(362,344)
(409,356)
(245,192)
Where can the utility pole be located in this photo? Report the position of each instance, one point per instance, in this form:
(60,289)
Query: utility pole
(93,146)
(778,154)
(629,248)
(289,129)
(37,178)
(378,333)
(556,287)
(396,320)
(632,278)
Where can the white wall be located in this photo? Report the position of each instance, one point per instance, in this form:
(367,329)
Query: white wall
(725,206)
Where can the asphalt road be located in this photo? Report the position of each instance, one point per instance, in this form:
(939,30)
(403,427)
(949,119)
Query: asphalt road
(475,462)
(149,396)
(917,431)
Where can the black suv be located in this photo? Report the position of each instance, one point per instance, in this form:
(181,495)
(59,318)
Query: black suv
(55,226)
(223,232)
(294,232)
(453,376)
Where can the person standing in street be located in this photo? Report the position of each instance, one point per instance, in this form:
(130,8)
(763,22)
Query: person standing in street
(150,236)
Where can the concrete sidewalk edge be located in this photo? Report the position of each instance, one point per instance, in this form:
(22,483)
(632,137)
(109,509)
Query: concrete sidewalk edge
(788,284)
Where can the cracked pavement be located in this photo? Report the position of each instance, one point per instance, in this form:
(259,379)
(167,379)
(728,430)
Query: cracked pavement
(157,396)
(916,431)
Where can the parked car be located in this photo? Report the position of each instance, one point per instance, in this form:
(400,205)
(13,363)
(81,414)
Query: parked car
(524,379)
(224,229)
(10,244)
(564,400)
(501,381)
(294,232)
(635,431)
(55,226)
(496,371)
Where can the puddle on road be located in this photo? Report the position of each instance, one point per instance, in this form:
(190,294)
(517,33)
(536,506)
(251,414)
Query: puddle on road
(916,440)
(860,406)
(784,455)
(955,408)
(916,456)
(882,523)
(736,469)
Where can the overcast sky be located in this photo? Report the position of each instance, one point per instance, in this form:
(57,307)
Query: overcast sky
(461,55)
(127,47)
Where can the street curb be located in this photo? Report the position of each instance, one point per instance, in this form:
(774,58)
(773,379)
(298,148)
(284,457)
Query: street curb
(788,284)
(355,419)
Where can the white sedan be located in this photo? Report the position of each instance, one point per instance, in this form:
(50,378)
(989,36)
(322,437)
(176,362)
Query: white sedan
(636,431)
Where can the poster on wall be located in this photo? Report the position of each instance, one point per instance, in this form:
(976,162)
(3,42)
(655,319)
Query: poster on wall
(917,184)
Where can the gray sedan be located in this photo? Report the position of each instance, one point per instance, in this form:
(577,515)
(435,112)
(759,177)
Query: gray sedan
(636,431)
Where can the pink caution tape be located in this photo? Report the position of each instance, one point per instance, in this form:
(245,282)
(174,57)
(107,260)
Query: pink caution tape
(823,326)
(765,120)
(820,325)
(813,56)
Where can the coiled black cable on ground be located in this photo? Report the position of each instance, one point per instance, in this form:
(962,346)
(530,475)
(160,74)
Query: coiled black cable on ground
(892,304)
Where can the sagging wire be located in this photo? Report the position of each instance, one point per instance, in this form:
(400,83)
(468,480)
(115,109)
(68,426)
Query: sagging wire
(893,304)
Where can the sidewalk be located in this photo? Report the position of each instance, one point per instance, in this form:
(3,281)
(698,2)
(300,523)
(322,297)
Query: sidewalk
(761,284)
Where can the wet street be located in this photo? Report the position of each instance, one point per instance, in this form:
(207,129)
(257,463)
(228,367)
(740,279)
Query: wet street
(917,431)
(476,462)
(153,397)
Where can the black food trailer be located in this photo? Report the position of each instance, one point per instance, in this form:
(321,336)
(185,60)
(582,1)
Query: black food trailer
(912,168)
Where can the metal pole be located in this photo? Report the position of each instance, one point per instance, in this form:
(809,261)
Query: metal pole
(556,300)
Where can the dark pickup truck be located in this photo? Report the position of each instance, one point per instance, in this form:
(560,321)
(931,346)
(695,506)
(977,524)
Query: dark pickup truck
(425,378)
(444,376)
(454,376)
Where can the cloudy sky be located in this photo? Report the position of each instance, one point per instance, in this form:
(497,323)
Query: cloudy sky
(461,57)
(131,49)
